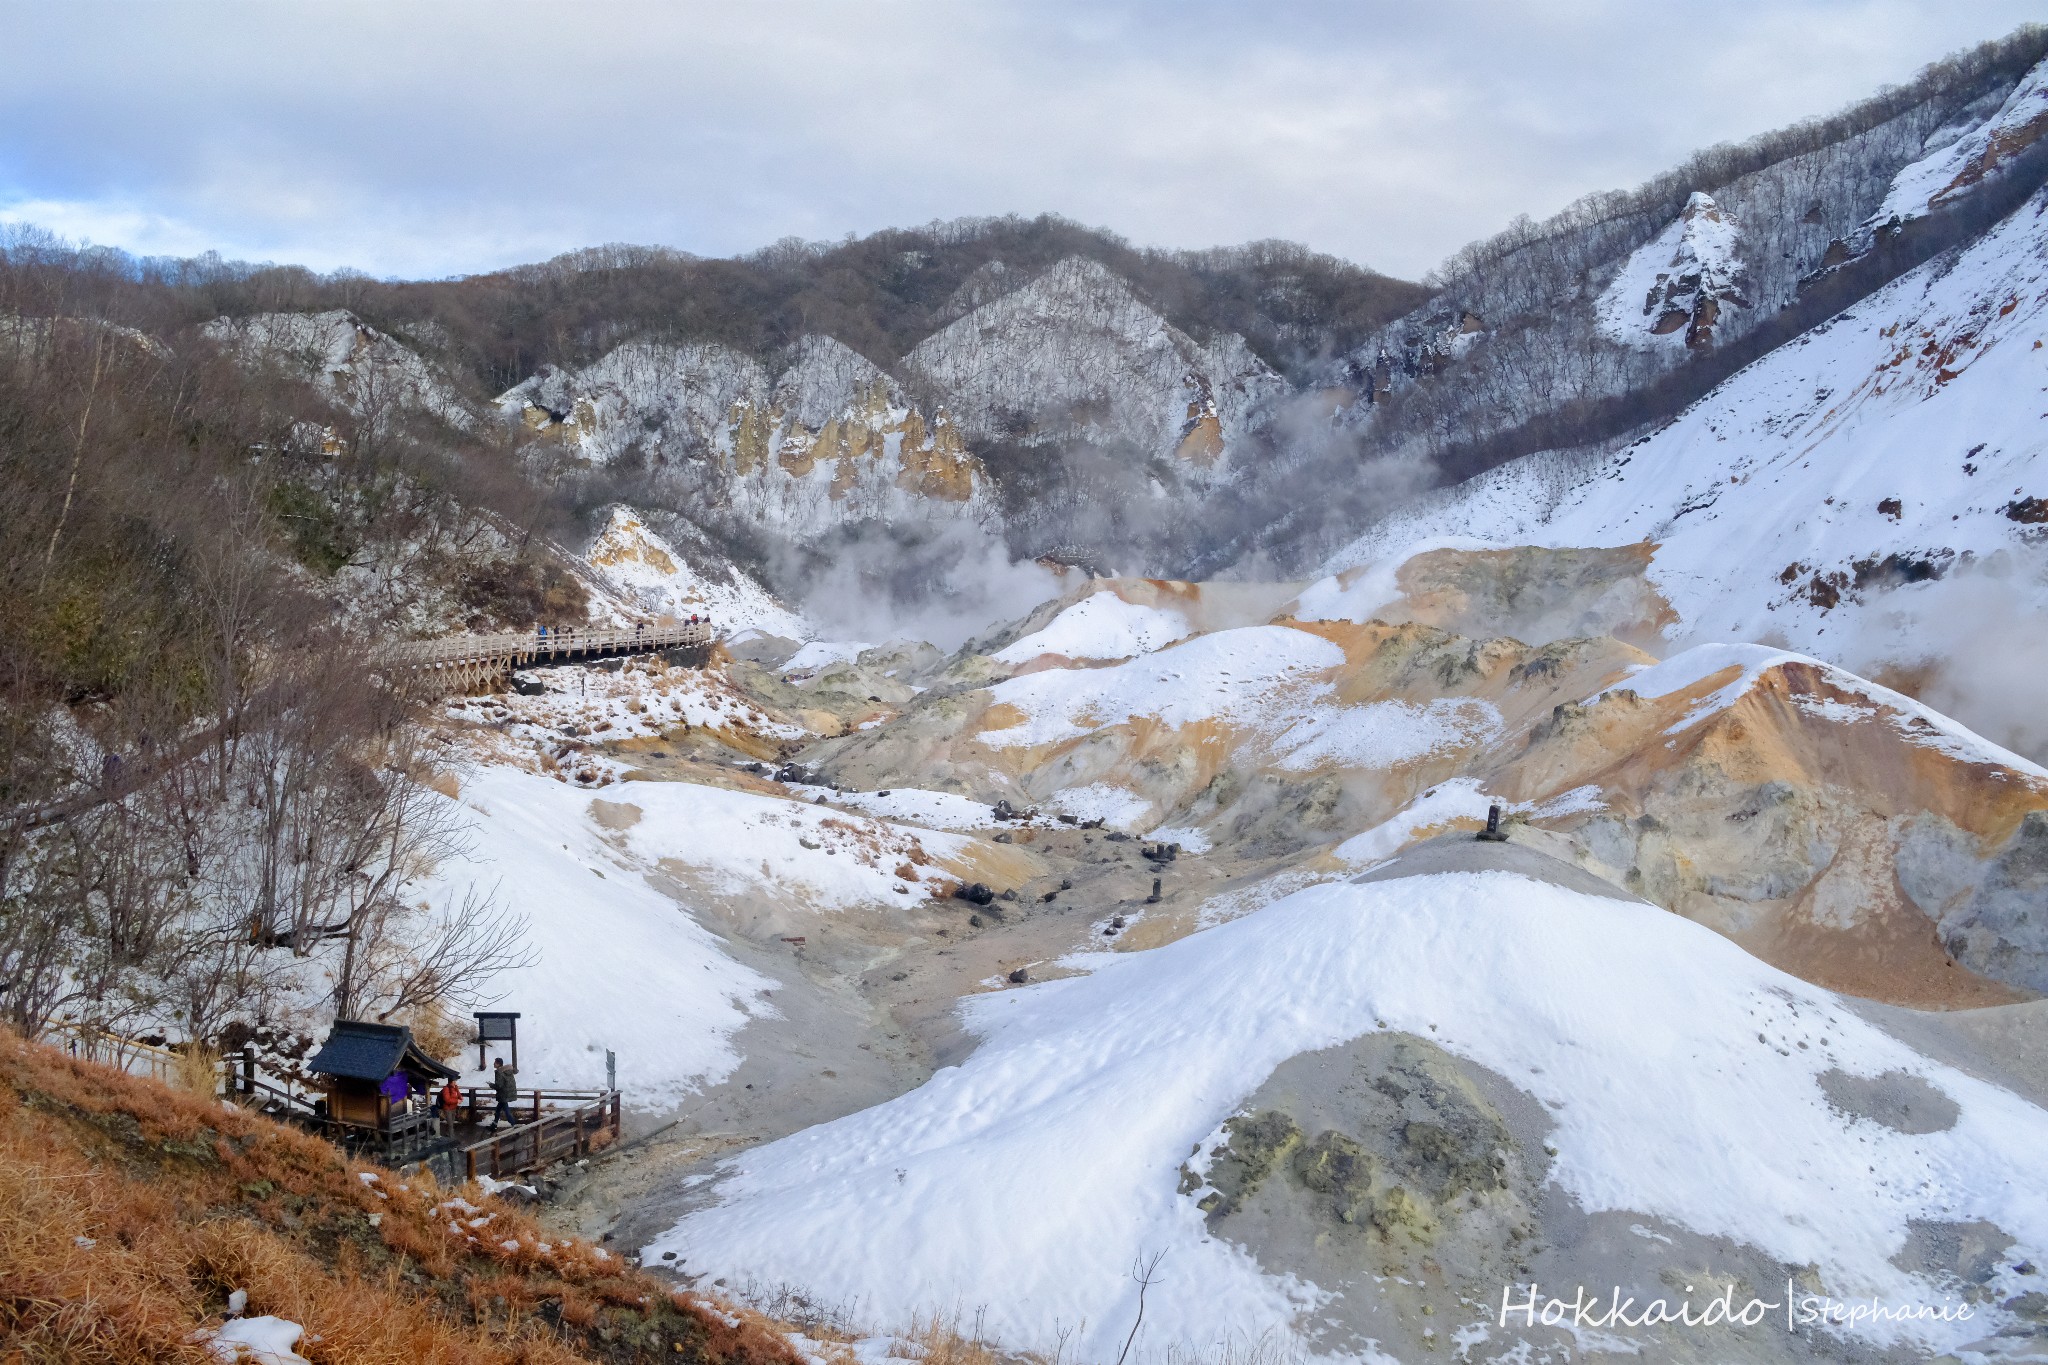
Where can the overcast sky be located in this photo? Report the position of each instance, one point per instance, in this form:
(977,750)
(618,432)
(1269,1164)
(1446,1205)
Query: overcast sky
(434,138)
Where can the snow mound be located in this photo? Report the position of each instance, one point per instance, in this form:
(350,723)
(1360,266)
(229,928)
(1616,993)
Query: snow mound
(819,655)
(1450,801)
(1100,626)
(254,1341)
(1682,1077)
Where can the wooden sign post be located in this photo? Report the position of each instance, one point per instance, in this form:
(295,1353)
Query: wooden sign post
(497,1026)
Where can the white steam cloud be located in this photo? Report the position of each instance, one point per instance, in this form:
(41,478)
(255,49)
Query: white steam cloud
(944,584)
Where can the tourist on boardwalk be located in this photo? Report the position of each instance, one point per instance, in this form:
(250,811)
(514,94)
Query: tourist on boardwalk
(447,1102)
(505,1085)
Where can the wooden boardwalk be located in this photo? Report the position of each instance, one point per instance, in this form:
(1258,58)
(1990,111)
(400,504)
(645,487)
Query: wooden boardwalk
(460,663)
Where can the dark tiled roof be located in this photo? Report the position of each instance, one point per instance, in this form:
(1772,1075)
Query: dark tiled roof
(370,1052)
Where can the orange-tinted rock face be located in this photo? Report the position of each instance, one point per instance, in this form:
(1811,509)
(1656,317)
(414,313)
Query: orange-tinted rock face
(1202,441)
(933,460)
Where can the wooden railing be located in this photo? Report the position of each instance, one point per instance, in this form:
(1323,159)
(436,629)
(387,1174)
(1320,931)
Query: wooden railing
(131,1055)
(528,646)
(565,1132)
(458,663)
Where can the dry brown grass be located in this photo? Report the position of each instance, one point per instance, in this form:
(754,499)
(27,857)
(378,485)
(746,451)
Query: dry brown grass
(196,1070)
(130,1210)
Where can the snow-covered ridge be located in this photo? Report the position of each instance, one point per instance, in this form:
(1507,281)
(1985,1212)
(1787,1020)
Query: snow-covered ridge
(366,371)
(1749,664)
(1955,167)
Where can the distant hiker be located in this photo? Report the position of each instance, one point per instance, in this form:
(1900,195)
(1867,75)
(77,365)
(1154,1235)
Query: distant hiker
(505,1085)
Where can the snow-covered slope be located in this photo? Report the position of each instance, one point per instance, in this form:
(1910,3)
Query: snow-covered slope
(1956,167)
(1074,356)
(1683,1085)
(648,573)
(1872,493)
(622,966)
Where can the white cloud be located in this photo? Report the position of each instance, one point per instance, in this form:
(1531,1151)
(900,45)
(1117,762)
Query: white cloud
(461,136)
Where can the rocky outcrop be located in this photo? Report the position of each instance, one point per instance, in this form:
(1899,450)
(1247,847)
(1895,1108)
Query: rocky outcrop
(1676,285)
(830,442)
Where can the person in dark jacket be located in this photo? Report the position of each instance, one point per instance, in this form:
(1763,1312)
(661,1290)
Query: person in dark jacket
(505,1085)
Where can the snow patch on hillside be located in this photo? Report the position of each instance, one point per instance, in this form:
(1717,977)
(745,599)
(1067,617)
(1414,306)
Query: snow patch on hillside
(818,655)
(1641,1033)
(1267,682)
(1384,734)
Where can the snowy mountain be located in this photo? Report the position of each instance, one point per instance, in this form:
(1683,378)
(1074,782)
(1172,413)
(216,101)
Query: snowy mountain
(1074,357)
(1869,493)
